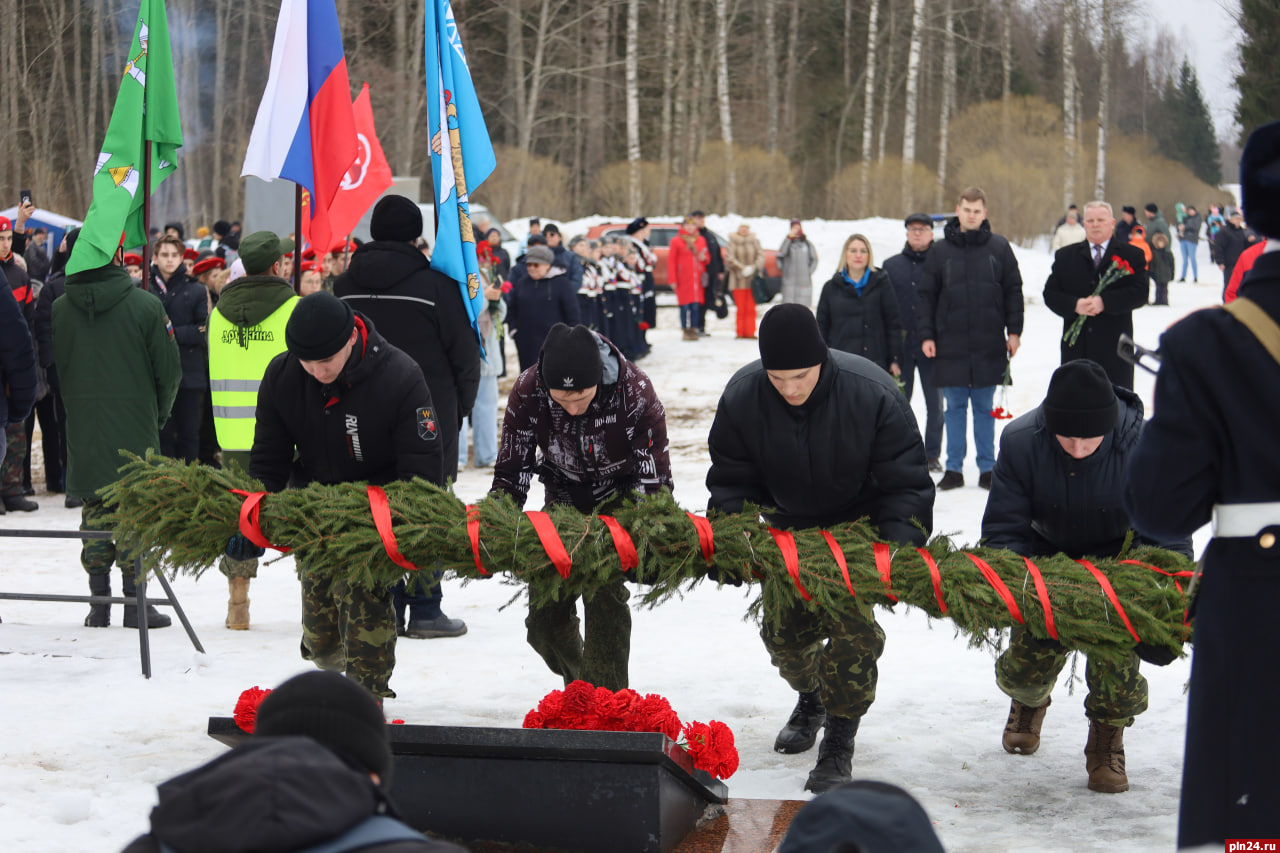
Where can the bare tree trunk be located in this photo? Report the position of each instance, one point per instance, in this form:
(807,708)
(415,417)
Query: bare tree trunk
(633,106)
(536,79)
(680,154)
(1104,104)
(869,103)
(912,104)
(792,74)
(948,99)
(770,75)
(515,70)
(597,109)
(1068,103)
(846,41)
(222,24)
(885,87)
(722,89)
(669,10)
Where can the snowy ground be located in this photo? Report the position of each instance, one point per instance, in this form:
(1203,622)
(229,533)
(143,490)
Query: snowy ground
(86,738)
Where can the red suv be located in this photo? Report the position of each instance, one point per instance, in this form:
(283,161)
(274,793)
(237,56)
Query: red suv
(660,236)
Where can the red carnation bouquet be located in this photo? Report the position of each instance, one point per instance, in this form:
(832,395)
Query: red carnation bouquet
(1119,269)
(584,707)
(1000,413)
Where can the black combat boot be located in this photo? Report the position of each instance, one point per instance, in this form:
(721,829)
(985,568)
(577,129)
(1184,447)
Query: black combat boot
(835,756)
(155,619)
(801,730)
(99,614)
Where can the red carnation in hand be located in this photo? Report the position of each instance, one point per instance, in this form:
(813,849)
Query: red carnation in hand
(644,327)
(246,713)
(506,287)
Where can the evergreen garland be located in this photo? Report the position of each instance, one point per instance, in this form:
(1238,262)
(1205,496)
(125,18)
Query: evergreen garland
(183,514)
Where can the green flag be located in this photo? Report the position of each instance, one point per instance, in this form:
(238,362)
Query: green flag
(146,110)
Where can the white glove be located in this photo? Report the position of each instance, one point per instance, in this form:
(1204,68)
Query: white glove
(748,271)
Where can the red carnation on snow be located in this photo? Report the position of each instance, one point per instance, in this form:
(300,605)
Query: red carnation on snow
(246,713)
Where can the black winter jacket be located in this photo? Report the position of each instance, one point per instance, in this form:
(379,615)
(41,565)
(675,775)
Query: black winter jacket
(376,423)
(906,270)
(17,360)
(186,301)
(1044,502)
(851,450)
(270,795)
(970,296)
(420,311)
(533,307)
(868,325)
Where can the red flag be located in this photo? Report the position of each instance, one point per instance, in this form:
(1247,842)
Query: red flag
(367,178)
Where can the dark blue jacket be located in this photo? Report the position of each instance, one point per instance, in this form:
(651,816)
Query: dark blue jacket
(1213,440)
(1045,502)
(533,307)
(17,359)
(906,270)
(865,324)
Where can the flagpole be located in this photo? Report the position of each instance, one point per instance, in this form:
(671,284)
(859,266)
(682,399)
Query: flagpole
(146,195)
(297,238)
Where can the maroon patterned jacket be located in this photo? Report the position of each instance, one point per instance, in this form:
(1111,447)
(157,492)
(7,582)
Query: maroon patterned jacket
(618,445)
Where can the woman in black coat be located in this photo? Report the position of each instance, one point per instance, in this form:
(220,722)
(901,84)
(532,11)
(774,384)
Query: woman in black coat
(858,309)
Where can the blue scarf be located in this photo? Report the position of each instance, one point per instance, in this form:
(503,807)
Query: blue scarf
(859,284)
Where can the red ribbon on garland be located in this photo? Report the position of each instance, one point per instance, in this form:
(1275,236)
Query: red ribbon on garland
(1111,595)
(705,537)
(473,533)
(627,555)
(998,585)
(1186,611)
(1043,593)
(551,543)
(839,555)
(249,519)
(790,558)
(884,559)
(380,509)
(935,574)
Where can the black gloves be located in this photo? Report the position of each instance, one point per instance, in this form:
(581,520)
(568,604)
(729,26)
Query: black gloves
(240,548)
(719,577)
(1158,655)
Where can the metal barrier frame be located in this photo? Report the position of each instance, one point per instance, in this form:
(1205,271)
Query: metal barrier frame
(140,599)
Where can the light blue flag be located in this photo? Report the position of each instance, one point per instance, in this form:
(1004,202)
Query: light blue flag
(461,154)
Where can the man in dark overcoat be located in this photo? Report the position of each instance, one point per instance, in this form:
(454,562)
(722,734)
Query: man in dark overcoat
(1068,292)
(1211,453)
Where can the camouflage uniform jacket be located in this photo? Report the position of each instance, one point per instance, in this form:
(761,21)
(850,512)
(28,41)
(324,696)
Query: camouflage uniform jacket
(618,445)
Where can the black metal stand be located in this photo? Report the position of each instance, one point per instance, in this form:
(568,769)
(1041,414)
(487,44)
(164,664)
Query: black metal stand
(140,599)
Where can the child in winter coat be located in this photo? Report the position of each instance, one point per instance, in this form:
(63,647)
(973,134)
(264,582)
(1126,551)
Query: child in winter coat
(1160,266)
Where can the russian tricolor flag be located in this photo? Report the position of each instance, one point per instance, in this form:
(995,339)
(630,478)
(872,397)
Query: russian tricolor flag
(305,131)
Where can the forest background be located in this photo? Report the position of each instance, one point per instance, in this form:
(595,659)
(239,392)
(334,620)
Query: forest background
(805,108)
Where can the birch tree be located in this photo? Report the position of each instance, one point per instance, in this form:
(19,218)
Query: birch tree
(868,106)
(722,93)
(911,106)
(1104,103)
(1068,103)
(633,106)
(948,98)
(770,75)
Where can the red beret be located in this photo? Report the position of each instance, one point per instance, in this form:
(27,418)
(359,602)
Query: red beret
(207,264)
(132,260)
(190,254)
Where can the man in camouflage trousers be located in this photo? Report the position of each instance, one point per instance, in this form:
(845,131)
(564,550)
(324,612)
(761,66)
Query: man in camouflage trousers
(352,408)
(773,415)
(1057,487)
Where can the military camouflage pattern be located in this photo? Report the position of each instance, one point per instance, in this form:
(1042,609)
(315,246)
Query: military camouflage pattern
(229,567)
(349,629)
(602,658)
(835,656)
(15,452)
(1029,668)
(97,555)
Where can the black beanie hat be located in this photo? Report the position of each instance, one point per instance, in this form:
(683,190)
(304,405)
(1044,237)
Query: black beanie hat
(336,712)
(320,325)
(1081,402)
(571,359)
(395,218)
(1260,180)
(789,338)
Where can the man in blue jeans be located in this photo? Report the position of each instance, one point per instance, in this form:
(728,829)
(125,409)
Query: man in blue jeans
(1189,237)
(969,319)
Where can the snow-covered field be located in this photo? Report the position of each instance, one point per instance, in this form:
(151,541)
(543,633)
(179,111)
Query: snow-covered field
(84,738)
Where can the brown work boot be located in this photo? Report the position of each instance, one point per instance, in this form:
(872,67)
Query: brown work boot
(1022,732)
(238,604)
(1104,758)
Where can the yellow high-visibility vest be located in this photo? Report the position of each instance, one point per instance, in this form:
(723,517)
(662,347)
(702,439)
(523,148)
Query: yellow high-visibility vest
(238,359)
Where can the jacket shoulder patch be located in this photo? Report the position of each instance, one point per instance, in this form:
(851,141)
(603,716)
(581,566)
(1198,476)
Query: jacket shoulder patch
(427,427)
